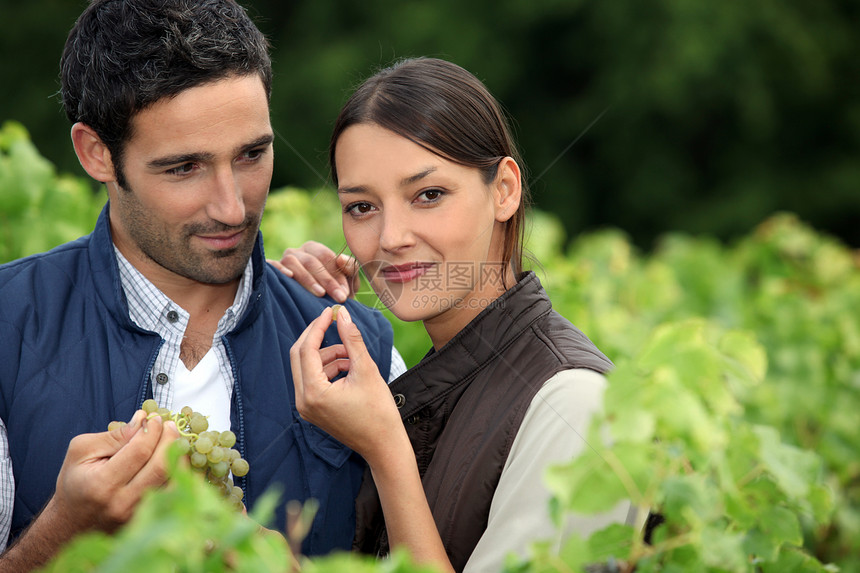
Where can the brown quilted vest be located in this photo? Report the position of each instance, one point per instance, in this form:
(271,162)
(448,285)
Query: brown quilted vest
(462,407)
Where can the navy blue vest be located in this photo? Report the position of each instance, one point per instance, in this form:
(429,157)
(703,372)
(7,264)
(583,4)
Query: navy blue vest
(71,361)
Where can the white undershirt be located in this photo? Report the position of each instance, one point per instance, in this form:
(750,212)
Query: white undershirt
(203,389)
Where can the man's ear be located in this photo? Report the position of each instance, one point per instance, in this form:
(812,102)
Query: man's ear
(92,153)
(507,189)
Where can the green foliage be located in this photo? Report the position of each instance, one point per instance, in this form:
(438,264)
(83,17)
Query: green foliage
(732,409)
(38,209)
(398,562)
(294,216)
(185,527)
(732,494)
(188,527)
(786,287)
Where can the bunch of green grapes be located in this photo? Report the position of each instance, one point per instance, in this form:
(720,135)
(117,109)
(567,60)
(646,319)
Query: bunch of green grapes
(209,452)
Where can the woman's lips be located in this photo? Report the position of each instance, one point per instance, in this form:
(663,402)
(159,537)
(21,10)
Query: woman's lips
(404,273)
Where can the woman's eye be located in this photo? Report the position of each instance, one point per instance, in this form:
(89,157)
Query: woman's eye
(430,195)
(360,208)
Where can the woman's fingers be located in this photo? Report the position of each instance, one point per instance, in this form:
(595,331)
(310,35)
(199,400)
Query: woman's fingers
(306,363)
(317,268)
(332,353)
(349,267)
(352,340)
(336,367)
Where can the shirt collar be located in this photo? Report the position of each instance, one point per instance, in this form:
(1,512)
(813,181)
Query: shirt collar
(152,310)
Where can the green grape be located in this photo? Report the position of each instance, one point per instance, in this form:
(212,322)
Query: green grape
(204,444)
(198,423)
(183,444)
(209,452)
(216,454)
(220,469)
(237,502)
(198,460)
(211,436)
(239,467)
(227,439)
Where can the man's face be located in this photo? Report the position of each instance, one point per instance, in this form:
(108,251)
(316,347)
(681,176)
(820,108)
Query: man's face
(198,168)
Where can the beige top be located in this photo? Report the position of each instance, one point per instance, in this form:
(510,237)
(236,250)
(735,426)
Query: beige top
(552,430)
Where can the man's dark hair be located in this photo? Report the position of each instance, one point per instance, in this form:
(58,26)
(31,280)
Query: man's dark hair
(124,55)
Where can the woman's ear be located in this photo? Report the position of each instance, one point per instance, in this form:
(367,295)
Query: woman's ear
(92,153)
(507,190)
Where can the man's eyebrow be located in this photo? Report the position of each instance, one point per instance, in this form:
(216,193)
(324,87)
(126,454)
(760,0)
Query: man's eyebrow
(259,142)
(180,158)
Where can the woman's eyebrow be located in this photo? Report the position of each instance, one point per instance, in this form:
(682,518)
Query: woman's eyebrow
(417,177)
(354,189)
(409,180)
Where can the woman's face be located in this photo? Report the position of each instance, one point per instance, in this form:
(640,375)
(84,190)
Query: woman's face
(427,232)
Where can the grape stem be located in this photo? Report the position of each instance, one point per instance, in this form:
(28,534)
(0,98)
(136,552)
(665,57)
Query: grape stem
(181,422)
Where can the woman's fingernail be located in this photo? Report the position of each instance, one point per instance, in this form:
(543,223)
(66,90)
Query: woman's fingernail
(343,316)
(340,295)
(318,290)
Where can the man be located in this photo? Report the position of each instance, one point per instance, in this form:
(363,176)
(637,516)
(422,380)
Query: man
(169,297)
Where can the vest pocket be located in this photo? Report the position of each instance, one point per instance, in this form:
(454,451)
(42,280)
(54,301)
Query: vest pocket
(324,446)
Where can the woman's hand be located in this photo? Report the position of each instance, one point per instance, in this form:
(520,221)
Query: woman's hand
(357,409)
(317,268)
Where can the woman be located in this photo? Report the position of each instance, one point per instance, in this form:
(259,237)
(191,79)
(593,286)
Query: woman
(433,211)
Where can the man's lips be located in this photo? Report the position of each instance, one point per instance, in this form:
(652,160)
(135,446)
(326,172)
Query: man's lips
(222,241)
(404,273)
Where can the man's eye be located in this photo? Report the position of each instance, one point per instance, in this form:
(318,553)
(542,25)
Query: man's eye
(183,169)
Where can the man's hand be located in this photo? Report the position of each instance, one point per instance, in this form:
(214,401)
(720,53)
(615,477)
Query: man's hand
(320,270)
(105,474)
(100,483)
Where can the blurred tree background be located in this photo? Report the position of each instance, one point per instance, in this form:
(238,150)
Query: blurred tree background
(684,115)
